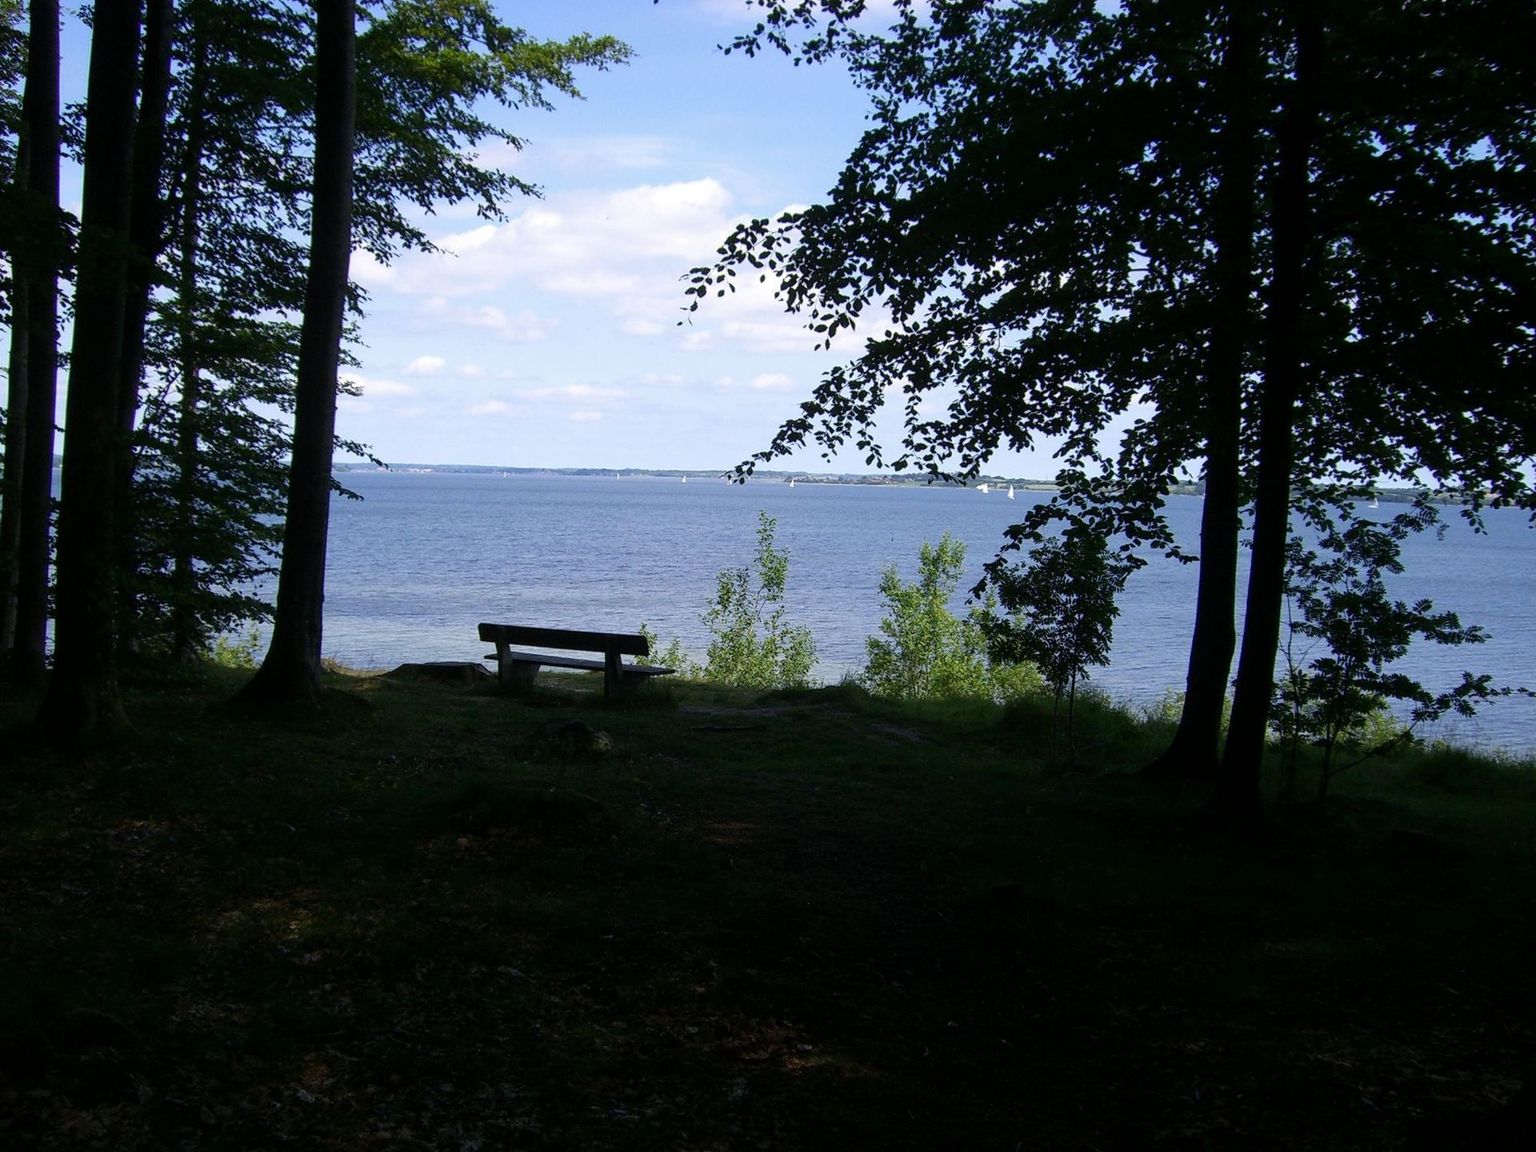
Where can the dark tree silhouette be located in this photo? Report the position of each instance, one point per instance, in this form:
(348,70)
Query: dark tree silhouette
(1196,746)
(146,232)
(82,692)
(290,671)
(30,436)
(1049,204)
(1291,236)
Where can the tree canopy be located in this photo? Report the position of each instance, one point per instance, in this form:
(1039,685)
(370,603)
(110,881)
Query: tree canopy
(203,347)
(1047,227)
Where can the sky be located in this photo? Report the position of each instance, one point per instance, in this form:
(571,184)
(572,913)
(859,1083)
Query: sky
(552,339)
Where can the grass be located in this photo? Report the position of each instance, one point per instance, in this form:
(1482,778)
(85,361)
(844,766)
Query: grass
(439,918)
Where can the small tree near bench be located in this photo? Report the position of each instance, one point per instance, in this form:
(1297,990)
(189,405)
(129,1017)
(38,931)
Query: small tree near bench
(751,644)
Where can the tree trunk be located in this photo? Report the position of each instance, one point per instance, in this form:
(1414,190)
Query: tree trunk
(1195,750)
(15,437)
(41,274)
(1237,789)
(185,638)
(146,241)
(82,693)
(291,670)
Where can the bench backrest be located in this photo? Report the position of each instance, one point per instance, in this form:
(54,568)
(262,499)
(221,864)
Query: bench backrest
(625,644)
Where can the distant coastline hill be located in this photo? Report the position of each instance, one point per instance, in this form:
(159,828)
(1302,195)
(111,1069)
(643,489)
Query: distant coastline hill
(762,474)
(773,476)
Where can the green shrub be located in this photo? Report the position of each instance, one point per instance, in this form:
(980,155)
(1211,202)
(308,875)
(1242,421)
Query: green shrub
(230,651)
(925,650)
(1061,610)
(1338,698)
(751,644)
(671,656)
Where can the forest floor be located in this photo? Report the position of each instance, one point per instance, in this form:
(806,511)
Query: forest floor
(437,918)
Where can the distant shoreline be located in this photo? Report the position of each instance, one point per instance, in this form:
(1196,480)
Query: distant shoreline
(800,476)
(781,476)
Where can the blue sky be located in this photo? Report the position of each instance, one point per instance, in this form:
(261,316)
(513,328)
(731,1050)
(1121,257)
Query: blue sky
(552,339)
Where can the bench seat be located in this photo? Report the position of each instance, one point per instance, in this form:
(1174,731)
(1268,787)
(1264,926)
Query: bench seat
(520,667)
(533,661)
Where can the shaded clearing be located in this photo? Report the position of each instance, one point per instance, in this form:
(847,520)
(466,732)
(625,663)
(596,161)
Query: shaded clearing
(456,920)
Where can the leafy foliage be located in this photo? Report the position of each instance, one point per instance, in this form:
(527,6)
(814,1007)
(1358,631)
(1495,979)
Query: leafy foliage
(426,70)
(214,439)
(751,644)
(13,55)
(235,651)
(926,650)
(1061,609)
(1065,217)
(669,655)
(1338,594)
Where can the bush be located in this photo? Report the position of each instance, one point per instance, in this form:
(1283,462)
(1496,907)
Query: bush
(926,650)
(230,651)
(672,656)
(1061,610)
(1338,699)
(751,645)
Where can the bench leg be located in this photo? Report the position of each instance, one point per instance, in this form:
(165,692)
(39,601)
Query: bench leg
(613,675)
(512,674)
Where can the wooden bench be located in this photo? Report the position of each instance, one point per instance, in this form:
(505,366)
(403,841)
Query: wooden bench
(517,667)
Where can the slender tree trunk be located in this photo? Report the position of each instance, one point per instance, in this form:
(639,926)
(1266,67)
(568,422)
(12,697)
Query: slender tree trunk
(1195,750)
(41,274)
(1237,789)
(82,693)
(146,242)
(185,637)
(184,634)
(15,437)
(291,669)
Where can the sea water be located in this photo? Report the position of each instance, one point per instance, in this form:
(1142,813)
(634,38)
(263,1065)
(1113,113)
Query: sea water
(423,557)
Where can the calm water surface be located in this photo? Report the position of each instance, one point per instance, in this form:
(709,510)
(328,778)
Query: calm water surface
(424,557)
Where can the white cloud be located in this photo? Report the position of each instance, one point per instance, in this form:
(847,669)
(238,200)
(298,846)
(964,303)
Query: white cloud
(584,417)
(573,392)
(425,366)
(594,282)
(471,371)
(624,250)
(368,272)
(495,408)
(462,242)
(771,382)
(521,326)
(784,335)
(369,386)
(581,243)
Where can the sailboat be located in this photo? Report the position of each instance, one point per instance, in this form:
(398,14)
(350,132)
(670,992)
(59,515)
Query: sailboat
(685,479)
(983,488)
(791,481)
(1010,491)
